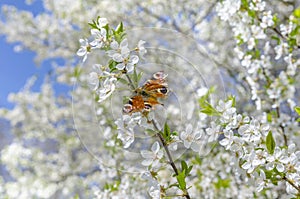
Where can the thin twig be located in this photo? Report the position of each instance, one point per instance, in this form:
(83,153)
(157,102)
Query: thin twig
(281,126)
(291,183)
(171,162)
(158,134)
(130,82)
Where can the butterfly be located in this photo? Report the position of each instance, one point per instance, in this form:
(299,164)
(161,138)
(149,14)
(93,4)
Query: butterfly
(146,95)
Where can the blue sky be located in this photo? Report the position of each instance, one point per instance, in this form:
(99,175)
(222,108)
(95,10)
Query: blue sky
(16,68)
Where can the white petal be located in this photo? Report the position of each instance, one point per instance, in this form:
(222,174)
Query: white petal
(129,68)
(83,42)
(103,32)
(224,142)
(284,159)
(111,53)
(95,43)
(124,43)
(260,187)
(134,59)
(270,166)
(246,165)
(195,147)
(183,135)
(97,67)
(198,135)
(256,162)
(114,45)
(277,152)
(125,52)
(159,154)
(81,52)
(147,154)
(280,167)
(102,22)
(94,80)
(141,43)
(95,32)
(147,162)
(84,58)
(291,148)
(120,66)
(187,144)
(155,147)
(117,57)
(189,129)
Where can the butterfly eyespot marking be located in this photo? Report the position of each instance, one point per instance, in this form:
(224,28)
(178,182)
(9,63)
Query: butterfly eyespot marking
(163,90)
(127,108)
(148,106)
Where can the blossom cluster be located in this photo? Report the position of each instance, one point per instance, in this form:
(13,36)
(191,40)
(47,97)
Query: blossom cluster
(103,79)
(253,26)
(257,151)
(245,146)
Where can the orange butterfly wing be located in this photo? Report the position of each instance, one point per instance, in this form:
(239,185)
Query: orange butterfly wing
(147,95)
(156,87)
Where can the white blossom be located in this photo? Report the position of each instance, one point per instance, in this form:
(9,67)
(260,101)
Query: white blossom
(84,49)
(190,137)
(152,157)
(99,38)
(109,86)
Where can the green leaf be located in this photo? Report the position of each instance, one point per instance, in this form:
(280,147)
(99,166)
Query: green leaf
(245,4)
(252,13)
(233,100)
(106,27)
(174,133)
(292,42)
(275,19)
(270,142)
(269,117)
(150,131)
(93,25)
(167,131)
(294,32)
(189,170)
(183,165)
(77,72)
(297,109)
(181,180)
(276,39)
(136,77)
(119,33)
(112,65)
(222,183)
(297,12)
(139,76)
(208,109)
(123,81)
(272,176)
(76,196)
(205,97)
(120,28)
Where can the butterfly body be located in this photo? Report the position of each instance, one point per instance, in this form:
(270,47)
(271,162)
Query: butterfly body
(146,96)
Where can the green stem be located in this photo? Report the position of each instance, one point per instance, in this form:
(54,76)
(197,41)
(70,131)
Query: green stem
(171,162)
